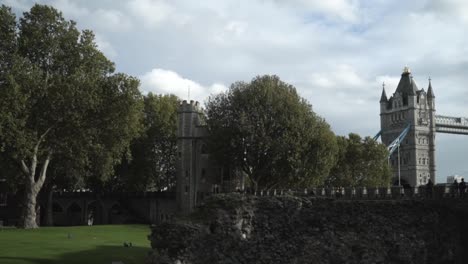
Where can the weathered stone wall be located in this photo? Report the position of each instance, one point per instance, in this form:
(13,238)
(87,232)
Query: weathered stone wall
(240,229)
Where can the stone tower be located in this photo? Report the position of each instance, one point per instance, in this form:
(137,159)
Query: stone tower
(189,137)
(197,175)
(409,105)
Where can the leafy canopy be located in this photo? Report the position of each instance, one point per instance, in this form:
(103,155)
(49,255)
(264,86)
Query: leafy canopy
(267,131)
(360,162)
(59,97)
(152,165)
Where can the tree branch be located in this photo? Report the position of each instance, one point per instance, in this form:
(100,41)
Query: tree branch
(32,169)
(41,138)
(42,176)
(24,167)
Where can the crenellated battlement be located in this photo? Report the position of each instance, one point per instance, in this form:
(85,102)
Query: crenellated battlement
(190,106)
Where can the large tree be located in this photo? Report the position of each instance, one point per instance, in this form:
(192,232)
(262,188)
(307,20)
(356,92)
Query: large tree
(360,162)
(152,164)
(267,131)
(60,101)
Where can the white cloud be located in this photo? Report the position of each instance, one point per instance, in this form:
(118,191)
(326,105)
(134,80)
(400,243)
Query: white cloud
(343,9)
(338,10)
(105,46)
(162,81)
(339,77)
(152,12)
(236,27)
(70,8)
(22,5)
(449,9)
(112,20)
(231,31)
(108,19)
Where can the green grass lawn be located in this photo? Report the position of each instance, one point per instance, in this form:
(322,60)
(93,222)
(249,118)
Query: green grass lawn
(78,244)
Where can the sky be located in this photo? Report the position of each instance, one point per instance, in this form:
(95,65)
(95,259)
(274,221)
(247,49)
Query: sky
(337,53)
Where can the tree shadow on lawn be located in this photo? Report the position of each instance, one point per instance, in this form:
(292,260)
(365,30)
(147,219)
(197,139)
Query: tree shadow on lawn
(99,255)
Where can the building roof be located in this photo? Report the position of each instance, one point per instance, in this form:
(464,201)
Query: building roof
(383,98)
(430,93)
(407,86)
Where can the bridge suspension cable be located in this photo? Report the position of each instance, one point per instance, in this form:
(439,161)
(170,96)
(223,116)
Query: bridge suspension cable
(378,135)
(396,143)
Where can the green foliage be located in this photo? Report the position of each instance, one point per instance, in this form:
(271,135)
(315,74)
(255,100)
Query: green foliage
(60,101)
(87,244)
(62,87)
(152,165)
(267,131)
(360,163)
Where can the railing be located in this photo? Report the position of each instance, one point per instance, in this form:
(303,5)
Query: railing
(363,193)
(113,195)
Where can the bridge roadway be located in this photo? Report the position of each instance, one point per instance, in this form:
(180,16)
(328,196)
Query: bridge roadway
(451,125)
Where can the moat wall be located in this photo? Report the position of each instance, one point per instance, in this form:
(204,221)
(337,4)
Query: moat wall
(246,229)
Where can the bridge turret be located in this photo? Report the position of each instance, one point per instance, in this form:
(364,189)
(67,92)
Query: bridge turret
(430,95)
(383,99)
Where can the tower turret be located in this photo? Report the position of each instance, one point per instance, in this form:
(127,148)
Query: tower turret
(189,115)
(430,93)
(383,97)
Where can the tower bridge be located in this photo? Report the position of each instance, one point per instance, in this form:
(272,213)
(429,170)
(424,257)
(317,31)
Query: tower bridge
(409,126)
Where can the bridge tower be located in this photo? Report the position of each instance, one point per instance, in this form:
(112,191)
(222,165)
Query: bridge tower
(409,105)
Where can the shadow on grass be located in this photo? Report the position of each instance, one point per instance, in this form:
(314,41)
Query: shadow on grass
(99,255)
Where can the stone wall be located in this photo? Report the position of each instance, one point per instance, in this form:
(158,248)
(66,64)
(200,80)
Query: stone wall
(76,208)
(246,229)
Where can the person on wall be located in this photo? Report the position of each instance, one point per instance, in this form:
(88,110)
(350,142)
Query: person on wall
(429,187)
(462,188)
(455,188)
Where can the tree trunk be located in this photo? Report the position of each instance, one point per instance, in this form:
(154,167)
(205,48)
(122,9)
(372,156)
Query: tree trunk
(33,186)
(28,216)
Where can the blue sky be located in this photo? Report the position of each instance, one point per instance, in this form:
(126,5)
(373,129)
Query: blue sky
(336,52)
